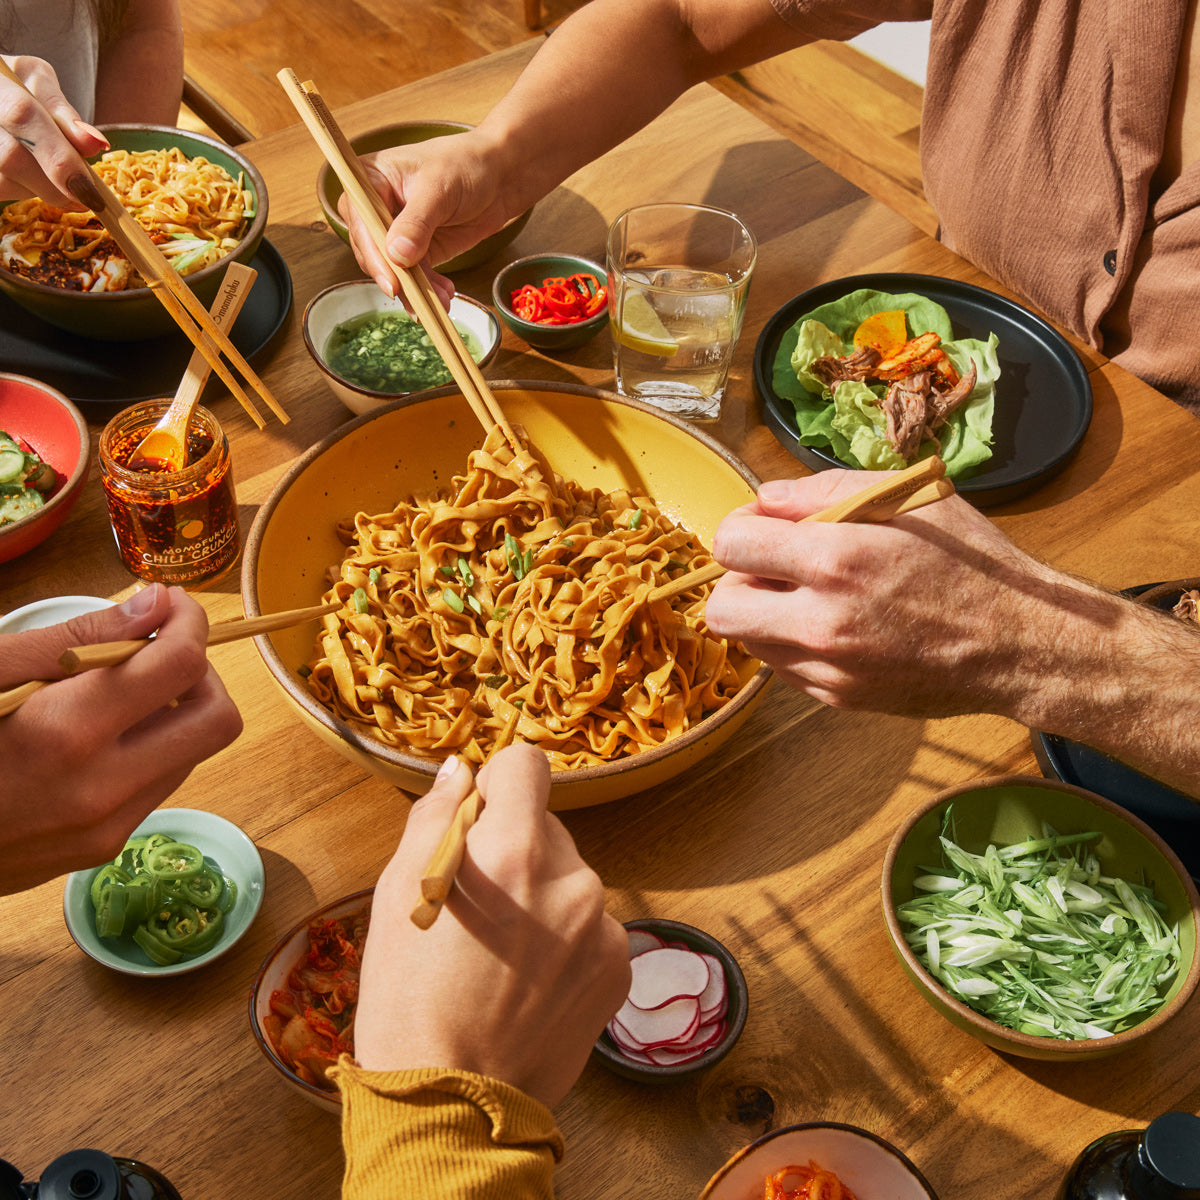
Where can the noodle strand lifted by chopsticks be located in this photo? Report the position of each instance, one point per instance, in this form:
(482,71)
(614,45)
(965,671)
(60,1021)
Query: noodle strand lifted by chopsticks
(522,596)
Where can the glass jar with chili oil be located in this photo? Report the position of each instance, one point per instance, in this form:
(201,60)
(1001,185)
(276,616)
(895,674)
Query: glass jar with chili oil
(171,526)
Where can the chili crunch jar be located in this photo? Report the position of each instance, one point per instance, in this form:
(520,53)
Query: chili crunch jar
(171,526)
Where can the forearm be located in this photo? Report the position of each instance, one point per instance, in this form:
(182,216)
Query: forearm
(607,71)
(140,75)
(1119,677)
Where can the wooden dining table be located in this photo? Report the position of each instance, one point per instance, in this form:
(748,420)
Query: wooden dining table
(774,844)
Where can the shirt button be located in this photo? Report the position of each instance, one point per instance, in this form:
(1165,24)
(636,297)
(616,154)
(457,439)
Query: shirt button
(1110,262)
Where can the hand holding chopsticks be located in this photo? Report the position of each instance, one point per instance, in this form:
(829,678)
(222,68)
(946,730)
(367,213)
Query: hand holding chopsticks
(165,282)
(111,654)
(418,294)
(906,491)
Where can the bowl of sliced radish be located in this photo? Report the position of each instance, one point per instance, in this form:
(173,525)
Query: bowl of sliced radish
(686,1006)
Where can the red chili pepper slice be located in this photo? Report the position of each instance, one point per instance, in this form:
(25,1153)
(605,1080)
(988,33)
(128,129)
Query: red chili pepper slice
(560,300)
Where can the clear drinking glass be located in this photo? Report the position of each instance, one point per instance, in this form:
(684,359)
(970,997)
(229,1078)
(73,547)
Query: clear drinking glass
(678,275)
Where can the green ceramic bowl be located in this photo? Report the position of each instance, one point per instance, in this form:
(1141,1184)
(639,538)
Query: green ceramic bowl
(535,269)
(408,133)
(136,314)
(1009,809)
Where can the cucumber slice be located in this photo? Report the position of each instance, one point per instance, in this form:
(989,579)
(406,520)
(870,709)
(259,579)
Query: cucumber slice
(12,462)
(13,508)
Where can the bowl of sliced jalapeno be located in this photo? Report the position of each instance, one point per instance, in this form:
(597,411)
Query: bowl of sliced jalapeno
(185,887)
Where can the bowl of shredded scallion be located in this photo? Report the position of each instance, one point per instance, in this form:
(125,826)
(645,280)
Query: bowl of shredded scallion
(1042,919)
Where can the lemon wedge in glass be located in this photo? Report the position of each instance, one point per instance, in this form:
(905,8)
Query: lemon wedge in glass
(641,329)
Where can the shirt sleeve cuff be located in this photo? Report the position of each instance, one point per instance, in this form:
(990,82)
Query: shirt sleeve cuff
(436,1132)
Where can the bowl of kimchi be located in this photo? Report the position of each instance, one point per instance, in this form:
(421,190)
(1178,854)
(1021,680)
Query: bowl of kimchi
(819,1159)
(304,996)
(201,201)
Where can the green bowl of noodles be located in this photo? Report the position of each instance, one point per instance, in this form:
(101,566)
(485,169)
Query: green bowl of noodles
(134,313)
(501,618)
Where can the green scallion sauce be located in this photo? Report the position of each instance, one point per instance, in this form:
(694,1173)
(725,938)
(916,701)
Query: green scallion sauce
(390,352)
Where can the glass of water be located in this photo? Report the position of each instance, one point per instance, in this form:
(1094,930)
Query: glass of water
(678,275)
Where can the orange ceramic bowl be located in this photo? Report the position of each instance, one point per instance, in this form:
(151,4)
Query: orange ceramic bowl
(1006,810)
(49,424)
(415,446)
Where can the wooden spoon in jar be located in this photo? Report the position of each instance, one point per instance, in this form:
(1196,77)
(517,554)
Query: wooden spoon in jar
(166,443)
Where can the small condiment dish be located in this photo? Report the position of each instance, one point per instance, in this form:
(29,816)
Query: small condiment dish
(54,610)
(863,1162)
(223,843)
(1008,810)
(272,977)
(47,422)
(355,298)
(721,1006)
(534,270)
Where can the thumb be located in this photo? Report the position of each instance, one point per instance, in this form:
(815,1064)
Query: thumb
(34,653)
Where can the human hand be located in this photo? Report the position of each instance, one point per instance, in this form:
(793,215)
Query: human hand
(518,976)
(88,757)
(445,200)
(41,136)
(931,614)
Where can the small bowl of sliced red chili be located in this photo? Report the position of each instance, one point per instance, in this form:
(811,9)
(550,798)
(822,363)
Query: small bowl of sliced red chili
(552,301)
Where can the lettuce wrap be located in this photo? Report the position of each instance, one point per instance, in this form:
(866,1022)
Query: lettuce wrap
(848,422)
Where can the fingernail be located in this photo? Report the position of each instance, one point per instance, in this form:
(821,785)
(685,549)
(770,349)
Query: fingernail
(446,769)
(141,602)
(91,131)
(83,188)
(774,490)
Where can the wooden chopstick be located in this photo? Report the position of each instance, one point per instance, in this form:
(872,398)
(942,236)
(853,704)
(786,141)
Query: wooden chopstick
(111,654)
(167,284)
(447,858)
(418,293)
(922,483)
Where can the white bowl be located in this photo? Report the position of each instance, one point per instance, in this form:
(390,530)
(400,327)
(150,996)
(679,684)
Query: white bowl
(870,1167)
(344,301)
(222,842)
(52,611)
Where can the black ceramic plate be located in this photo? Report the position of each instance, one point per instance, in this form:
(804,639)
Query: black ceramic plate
(1043,397)
(1172,815)
(94,373)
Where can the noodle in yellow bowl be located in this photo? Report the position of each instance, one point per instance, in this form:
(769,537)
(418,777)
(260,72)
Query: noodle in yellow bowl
(533,618)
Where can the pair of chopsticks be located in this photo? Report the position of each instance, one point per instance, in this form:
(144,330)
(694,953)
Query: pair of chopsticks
(167,284)
(418,294)
(907,490)
(112,654)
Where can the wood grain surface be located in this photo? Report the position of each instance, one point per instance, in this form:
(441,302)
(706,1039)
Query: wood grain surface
(774,845)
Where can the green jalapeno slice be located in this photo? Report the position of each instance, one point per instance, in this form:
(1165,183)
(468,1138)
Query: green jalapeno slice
(156,951)
(173,861)
(109,874)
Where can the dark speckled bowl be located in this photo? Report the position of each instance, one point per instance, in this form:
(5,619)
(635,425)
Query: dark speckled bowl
(135,313)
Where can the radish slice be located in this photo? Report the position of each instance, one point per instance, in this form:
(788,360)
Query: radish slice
(714,994)
(663,976)
(673,1022)
(641,940)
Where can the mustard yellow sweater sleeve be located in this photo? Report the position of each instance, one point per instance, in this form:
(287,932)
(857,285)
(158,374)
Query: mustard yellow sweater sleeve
(449,1135)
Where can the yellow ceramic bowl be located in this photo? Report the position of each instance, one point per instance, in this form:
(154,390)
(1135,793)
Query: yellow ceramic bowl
(415,446)
(1007,810)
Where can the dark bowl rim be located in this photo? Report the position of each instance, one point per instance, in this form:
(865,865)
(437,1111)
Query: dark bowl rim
(319,359)
(800,1126)
(988,1029)
(519,325)
(562,782)
(256,228)
(736,982)
(70,488)
(260,1036)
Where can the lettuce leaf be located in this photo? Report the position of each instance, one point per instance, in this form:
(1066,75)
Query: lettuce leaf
(848,423)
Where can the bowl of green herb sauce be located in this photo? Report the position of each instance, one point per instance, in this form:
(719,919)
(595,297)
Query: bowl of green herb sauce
(370,350)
